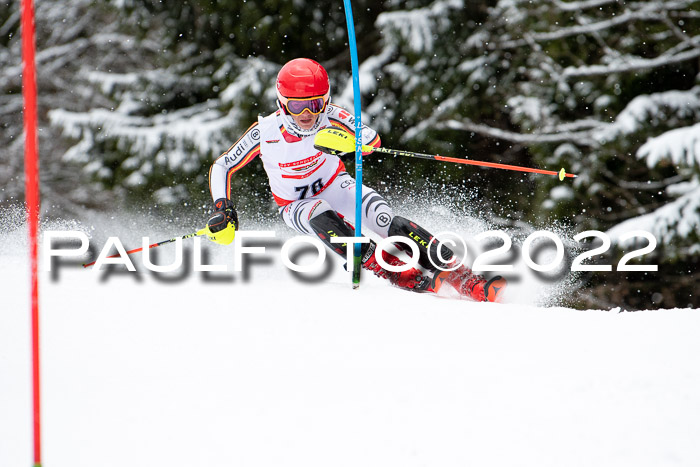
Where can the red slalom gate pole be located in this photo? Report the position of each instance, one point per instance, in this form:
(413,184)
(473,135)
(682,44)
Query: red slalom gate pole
(31,187)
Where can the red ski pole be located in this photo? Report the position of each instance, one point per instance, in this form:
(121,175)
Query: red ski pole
(561,174)
(336,141)
(199,233)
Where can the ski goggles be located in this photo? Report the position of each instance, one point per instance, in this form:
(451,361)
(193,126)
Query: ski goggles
(296,107)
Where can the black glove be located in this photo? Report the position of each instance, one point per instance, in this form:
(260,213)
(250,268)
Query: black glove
(224,212)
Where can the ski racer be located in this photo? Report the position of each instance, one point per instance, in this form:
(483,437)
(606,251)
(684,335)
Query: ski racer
(316,196)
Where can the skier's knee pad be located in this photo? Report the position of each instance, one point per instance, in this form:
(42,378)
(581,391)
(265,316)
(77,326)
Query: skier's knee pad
(332,224)
(377,212)
(428,251)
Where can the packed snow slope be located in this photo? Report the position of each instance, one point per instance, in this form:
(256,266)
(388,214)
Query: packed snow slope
(262,369)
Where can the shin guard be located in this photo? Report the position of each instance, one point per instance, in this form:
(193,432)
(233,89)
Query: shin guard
(329,224)
(403,227)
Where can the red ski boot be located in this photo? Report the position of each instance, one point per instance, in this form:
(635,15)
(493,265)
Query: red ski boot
(473,285)
(411,279)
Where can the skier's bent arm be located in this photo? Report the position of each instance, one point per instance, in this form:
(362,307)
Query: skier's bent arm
(234,159)
(223,222)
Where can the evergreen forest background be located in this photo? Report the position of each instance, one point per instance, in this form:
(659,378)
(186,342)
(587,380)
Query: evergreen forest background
(137,98)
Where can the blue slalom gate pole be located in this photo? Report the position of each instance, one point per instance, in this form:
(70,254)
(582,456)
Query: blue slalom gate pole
(358,142)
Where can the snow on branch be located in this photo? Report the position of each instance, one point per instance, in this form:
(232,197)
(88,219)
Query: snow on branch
(10,23)
(677,219)
(652,185)
(446,106)
(368,71)
(580,131)
(681,146)
(170,137)
(642,109)
(416,26)
(581,137)
(578,6)
(62,52)
(628,64)
(583,29)
(254,76)
(108,81)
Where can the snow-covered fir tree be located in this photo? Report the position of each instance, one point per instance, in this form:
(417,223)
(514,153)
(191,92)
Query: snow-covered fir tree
(607,89)
(138,96)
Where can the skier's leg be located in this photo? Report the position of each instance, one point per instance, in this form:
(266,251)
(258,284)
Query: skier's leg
(316,216)
(298,214)
(440,260)
(376,212)
(378,216)
(433,256)
(329,224)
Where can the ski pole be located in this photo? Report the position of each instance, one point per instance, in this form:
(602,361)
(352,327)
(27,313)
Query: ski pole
(199,233)
(336,141)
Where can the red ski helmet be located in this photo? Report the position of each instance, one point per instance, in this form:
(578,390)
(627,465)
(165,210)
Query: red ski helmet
(302,78)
